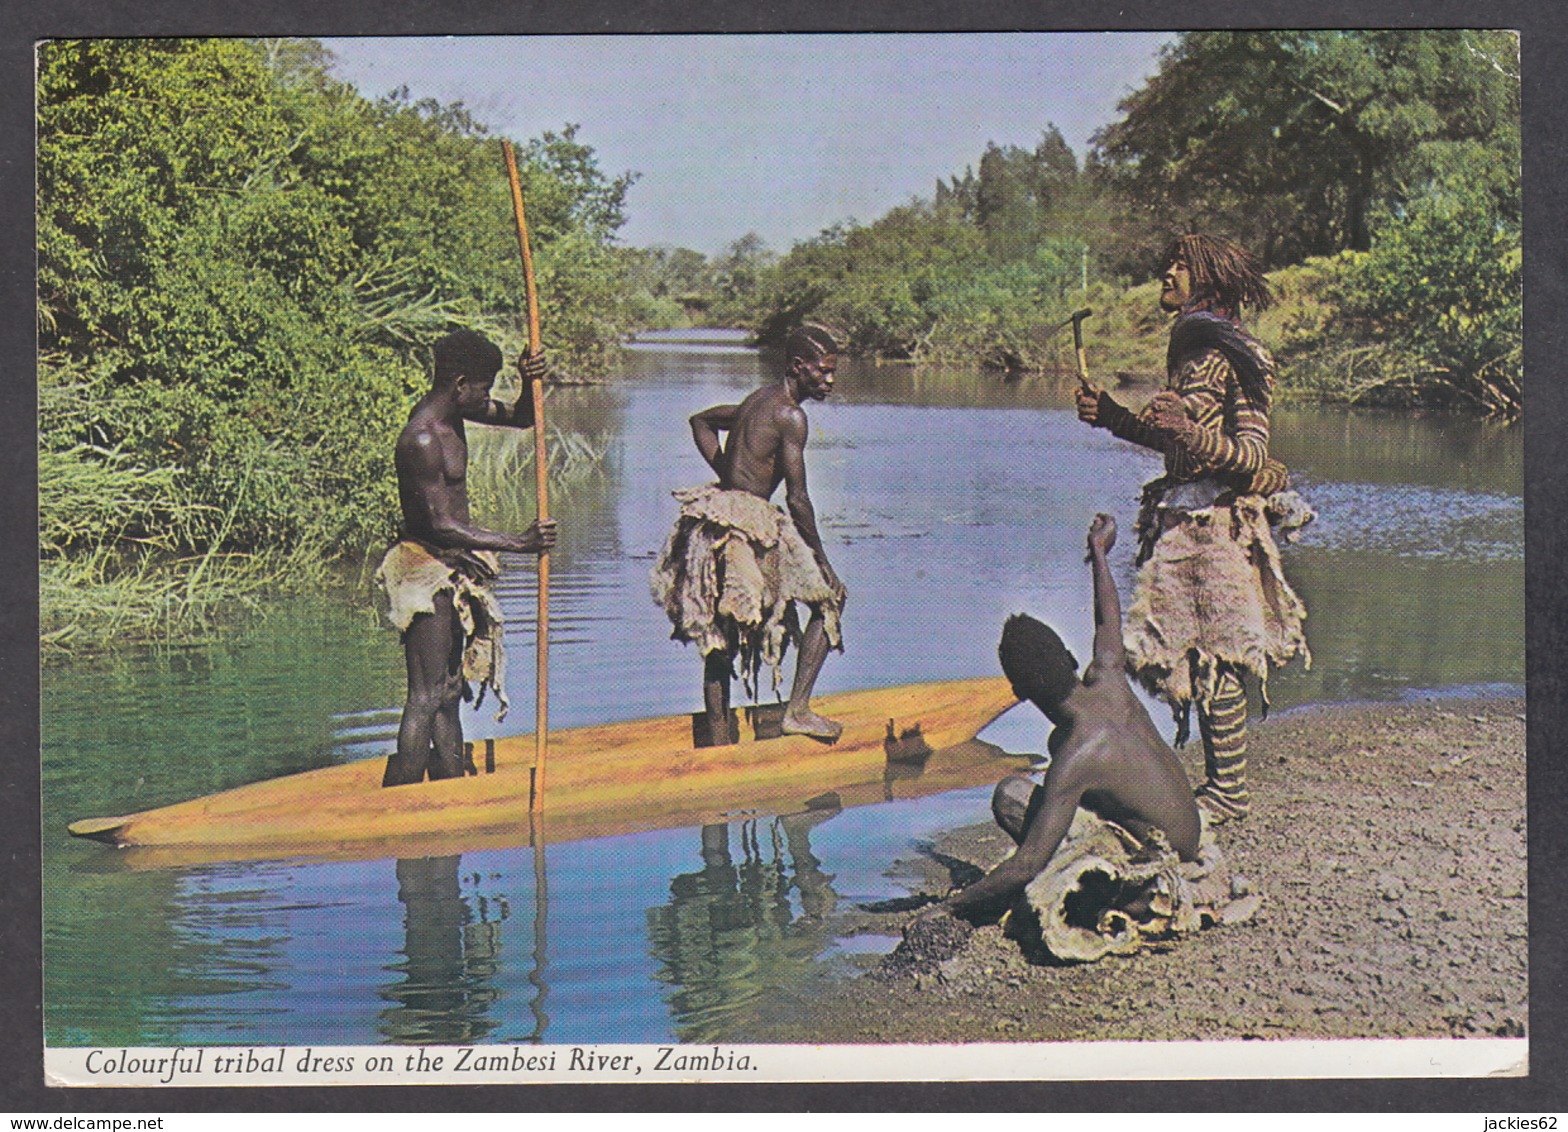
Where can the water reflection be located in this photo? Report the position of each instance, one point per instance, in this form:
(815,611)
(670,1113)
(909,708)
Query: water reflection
(728,933)
(451,956)
(541,928)
(951,500)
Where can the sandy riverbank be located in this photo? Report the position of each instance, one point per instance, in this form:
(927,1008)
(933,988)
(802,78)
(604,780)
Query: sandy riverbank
(1389,843)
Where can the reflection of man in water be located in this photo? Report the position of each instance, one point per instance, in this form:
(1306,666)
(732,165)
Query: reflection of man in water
(728,936)
(1105,752)
(437,575)
(735,566)
(449,963)
(1212,602)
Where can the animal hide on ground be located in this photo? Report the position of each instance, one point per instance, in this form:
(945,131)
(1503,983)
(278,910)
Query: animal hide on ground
(1079,898)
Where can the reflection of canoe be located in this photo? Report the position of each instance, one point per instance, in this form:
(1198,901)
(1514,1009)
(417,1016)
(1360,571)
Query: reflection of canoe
(606,779)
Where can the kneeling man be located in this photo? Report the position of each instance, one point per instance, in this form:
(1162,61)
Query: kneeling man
(1113,783)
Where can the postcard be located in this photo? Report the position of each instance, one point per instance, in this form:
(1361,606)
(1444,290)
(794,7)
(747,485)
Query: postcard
(810,557)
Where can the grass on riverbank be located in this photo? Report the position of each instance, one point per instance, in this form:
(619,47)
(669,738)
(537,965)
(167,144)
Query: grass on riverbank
(110,574)
(112,571)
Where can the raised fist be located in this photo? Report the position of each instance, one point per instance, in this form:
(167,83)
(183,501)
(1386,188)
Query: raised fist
(1102,533)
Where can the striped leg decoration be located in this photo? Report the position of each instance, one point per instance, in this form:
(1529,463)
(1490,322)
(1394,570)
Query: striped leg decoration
(1223,724)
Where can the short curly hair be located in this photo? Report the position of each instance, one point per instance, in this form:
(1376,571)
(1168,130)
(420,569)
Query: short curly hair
(1040,667)
(465,352)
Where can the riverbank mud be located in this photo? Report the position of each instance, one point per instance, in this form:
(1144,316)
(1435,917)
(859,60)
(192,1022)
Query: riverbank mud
(1389,843)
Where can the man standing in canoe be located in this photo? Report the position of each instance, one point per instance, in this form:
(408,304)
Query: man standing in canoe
(736,566)
(1212,603)
(437,575)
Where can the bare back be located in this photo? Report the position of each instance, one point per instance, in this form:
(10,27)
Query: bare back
(1118,765)
(1106,754)
(1108,758)
(767,446)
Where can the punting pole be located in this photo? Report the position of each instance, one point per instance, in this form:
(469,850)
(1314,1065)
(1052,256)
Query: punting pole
(541,489)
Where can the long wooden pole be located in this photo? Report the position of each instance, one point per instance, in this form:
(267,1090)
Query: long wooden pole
(541,490)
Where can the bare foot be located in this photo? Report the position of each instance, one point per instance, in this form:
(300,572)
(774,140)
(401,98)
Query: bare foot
(812,724)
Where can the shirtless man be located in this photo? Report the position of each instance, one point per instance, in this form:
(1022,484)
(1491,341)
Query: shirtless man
(436,575)
(1105,752)
(736,565)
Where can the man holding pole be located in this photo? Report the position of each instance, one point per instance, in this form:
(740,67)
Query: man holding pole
(436,576)
(1212,603)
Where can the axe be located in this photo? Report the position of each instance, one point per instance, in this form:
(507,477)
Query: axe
(1076,319)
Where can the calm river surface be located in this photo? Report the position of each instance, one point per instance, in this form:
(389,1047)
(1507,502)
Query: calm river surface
(947,501)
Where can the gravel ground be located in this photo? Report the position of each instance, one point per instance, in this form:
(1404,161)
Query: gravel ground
(1388,841)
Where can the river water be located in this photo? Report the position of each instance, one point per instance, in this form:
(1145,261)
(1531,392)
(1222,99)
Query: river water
(947,501)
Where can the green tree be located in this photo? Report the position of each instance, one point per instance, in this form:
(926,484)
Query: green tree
(1292,141)
(676,272)
(1004,205)
(667,286)
(1442,286)
(980,272)
(240,264)
(1022,197)
(737,272)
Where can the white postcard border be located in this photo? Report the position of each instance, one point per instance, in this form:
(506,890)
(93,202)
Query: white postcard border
(501,1064)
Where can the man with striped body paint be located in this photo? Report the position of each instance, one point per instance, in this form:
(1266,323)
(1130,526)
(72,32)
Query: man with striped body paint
(1212,604)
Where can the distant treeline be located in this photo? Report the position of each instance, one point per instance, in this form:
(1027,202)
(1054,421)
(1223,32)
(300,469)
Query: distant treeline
(1375,172)
(242,263)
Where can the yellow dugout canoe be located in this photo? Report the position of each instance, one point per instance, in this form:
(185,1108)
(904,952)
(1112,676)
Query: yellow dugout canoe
(604,780)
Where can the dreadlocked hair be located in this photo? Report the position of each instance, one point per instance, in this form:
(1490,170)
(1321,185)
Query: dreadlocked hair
(1224,274)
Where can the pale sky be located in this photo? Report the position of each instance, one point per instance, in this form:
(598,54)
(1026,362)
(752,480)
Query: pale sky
(782,135)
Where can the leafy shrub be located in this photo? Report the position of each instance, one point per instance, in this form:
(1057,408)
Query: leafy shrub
(1442,285)
(241,264)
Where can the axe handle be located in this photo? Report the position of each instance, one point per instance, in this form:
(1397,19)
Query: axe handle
(1083,358)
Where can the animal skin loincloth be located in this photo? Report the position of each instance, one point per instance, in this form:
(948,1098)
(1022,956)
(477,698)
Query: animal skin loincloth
(1210,593)
(412,574)
(1078,899)
(731,574)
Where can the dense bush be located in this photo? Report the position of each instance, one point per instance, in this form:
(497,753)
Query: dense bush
(1442,286)
(240,264)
